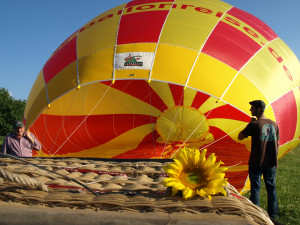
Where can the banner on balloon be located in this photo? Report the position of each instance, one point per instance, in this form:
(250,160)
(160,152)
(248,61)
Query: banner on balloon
(134,60)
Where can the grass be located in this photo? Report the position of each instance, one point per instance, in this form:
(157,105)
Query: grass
(287,187)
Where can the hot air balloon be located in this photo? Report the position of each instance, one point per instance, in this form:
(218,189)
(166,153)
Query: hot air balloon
(148,77)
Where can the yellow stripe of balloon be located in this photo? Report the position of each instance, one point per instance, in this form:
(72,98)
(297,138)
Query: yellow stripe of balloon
(211,75)
(230,127)
(286,147)
(173,63)
(37,100)
(88,96)
(270,63)
(136,47)
(164,92)
(210,104)
(238,94)
(189,96)
(99,33)
(97,66)
(121,144)
(176,32)
(62,82)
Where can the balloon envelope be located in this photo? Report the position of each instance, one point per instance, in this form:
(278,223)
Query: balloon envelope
(148,77)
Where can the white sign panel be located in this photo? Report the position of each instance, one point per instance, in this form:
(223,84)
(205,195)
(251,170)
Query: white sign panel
(134,60)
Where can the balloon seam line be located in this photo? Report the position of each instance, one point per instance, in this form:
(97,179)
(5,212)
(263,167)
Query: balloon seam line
(239,71)
(200,51)
(115,48)
(151,67)
(83,120)
(54,141)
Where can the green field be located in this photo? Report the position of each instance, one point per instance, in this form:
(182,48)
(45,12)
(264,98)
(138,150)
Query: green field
(288,185)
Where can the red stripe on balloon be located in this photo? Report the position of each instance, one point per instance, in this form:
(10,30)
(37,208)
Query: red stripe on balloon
(227,112)
(253,22)
(237,179)
(62,58)
(230,46)
(177,93)
(226,149)
(199,99)
(285,110)
(141,90)
(141,27)
(80,135)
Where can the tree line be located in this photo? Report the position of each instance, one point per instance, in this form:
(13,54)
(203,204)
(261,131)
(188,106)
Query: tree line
(11,110)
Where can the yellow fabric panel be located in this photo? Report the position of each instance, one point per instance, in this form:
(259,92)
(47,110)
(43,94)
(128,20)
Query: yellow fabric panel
(37,100)
(241,92)
(284,149)
(230,127)
(94,101)
(269,113)
(211,75)
(246,187)
(210,104)
(136,47)
(264,68)
(237,168)
(63,82)
(189,96)
(164,92)
(121,144)
(173,64)
(97,66)
(99,34)
(132,74)
(193,36)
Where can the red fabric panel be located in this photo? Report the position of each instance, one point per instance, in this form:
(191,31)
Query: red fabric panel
(230,46)
(139,89)
(226,149)
(62,58)
(237,179)
(199,99)
(178,93)
(227,112)
(254,22)
(95,131)
(141,27)
(285,110)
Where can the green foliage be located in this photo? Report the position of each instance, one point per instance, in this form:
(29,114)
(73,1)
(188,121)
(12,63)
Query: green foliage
(10,111)
(287,188)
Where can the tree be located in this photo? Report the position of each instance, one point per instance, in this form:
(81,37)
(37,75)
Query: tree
(10,111)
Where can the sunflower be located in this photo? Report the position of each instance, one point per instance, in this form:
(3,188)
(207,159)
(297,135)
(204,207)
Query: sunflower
(193,174)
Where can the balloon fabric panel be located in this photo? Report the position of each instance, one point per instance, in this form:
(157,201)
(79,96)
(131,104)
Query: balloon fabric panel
(287,119)
(234,50)
(62,58)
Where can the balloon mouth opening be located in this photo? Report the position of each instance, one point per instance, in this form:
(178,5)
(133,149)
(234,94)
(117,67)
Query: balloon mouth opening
(182,124)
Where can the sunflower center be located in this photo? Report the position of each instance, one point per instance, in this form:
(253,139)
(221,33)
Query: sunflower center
(194,178)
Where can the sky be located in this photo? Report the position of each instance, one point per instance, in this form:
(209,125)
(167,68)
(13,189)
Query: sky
(31,30)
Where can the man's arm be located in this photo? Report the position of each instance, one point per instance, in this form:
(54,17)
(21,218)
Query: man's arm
(32,139)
